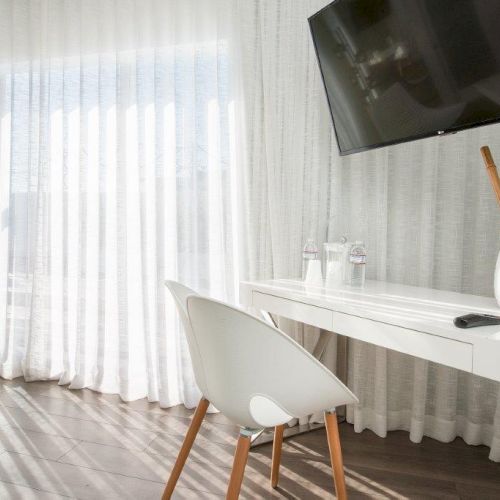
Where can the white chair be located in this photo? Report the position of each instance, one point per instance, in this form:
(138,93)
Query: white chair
(180,293)
(257,377)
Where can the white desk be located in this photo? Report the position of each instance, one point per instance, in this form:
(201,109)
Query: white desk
(413,320)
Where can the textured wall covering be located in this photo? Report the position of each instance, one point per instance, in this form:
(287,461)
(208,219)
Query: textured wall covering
(424,209)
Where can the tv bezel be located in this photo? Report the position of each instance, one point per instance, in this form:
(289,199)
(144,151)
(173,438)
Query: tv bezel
(347,152)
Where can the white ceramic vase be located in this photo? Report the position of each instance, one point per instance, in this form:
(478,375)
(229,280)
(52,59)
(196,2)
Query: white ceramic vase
(497,280)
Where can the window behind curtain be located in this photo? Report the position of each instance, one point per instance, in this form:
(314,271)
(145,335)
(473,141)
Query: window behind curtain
(120,176)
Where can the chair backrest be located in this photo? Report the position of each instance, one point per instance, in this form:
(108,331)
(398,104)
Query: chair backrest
(245,359)
(180,293)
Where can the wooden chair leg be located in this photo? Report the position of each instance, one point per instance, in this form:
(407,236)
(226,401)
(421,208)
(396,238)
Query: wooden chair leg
(239,463)
(332,433)
(194,427)
(277,444)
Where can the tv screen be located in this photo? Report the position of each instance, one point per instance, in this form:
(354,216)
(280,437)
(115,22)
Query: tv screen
(399,70)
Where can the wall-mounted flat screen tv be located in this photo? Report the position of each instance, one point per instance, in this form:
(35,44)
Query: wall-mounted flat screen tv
(400,70)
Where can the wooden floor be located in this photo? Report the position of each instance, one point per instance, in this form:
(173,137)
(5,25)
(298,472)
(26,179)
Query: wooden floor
(56,443)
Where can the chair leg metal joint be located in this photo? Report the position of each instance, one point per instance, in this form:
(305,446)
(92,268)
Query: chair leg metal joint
(247,432)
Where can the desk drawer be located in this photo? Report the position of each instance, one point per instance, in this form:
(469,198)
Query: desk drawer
(298,311)
(422,345)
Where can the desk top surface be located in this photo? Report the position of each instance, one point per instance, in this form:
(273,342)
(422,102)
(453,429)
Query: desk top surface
(416,308)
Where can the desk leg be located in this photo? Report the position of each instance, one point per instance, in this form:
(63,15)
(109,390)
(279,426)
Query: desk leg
(341,371)
(267,435)
(269,318)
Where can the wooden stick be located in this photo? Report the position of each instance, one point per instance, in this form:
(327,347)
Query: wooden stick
(198,417)
(492,171)
(240,461)
(332,434)
(275,464)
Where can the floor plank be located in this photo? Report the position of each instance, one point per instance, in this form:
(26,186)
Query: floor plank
(36,444)
(18,492)
(74,428)
(59,443)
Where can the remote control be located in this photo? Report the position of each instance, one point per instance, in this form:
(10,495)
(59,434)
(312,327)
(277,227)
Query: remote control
(474,320)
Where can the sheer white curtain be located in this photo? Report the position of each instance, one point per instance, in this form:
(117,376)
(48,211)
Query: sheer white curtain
(115,173)
(425,211)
